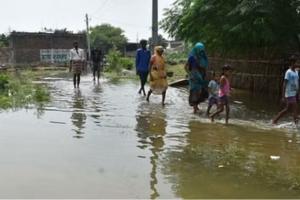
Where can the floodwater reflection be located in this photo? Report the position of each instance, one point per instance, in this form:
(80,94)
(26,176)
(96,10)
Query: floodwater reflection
(234,162)
(78,116)
(143,150)
(151,129)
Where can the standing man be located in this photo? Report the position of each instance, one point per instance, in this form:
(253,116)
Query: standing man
(77,60)
(142,61)
(97,63)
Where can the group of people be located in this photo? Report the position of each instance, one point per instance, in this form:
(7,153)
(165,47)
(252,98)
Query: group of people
(153,66)
(78,62)
(217,90)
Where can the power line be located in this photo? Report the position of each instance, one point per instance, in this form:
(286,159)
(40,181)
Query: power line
(100,8)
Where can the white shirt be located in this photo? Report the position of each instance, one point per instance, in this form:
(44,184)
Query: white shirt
(292,85)
(77,55)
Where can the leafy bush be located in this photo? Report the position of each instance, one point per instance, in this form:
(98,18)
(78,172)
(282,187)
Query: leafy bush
(18,91)
(175,58)
(127,63)
(3,82)
(116,62)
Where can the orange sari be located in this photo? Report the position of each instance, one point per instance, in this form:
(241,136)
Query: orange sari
(158,75)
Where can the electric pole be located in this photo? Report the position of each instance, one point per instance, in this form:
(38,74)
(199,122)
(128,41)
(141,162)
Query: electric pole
(88,36)
(154,23)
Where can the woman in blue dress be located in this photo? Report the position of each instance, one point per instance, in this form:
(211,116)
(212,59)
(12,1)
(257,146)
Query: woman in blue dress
(196,67)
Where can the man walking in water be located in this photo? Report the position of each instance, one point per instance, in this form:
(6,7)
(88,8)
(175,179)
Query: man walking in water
(76,63)
(142,61)
(97,63)
(290,90)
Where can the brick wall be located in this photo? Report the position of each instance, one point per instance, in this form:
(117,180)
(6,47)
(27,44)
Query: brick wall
(5,56)
(26,46)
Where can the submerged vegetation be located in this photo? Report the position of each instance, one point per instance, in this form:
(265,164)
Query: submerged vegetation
(19,90)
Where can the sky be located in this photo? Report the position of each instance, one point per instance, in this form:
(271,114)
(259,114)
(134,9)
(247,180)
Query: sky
(133,16)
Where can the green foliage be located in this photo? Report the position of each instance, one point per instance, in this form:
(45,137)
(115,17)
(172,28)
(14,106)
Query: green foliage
(107,37)
(41,94)
(4,40)
(3,82)
(176,57)
(116,62)
(19,91)
(236,26)
(113,60)
(126,63)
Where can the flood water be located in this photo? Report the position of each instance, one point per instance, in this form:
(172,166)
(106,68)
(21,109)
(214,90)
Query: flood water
(105,141)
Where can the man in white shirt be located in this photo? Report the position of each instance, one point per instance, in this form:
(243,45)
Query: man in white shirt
(77,60)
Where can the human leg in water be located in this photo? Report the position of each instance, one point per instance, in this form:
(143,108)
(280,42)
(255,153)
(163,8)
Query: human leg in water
(74,80)
(282,113)
(163,98)
(78,80)
(220,110)
(208,110)
(143,78)
(295,114)
(149,94)
(287,108)
(227,113)
(196,108)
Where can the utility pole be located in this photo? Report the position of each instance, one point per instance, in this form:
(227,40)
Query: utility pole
(154,23)
(88,37)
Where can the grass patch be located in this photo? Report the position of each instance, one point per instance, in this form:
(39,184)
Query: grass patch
(18,90)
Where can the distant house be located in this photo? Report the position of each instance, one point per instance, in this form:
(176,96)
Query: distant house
(176,45)
(130,49)
(30,48)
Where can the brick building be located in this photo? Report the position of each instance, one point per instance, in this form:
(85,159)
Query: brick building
(31,48)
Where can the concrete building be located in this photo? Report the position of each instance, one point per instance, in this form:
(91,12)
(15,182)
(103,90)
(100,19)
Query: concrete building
(33,48)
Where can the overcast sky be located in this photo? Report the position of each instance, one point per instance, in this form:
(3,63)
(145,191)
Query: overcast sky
(133,16)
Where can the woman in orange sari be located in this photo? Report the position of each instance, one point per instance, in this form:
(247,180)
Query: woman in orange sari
(158,75)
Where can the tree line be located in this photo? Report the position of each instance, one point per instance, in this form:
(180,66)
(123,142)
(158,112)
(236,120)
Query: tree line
(266,27)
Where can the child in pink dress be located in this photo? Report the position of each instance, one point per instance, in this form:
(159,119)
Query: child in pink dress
(224,93)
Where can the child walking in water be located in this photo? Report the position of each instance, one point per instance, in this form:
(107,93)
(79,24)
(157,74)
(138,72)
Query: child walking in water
(290,90)
(213,89)
(224,93)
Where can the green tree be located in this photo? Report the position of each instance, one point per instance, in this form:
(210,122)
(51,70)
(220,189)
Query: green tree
(107,37)
(4,40)
(266,27)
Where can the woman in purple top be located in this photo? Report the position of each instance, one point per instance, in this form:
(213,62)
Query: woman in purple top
(142,62)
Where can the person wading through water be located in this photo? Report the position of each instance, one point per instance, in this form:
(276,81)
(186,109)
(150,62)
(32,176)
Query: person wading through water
(77,61)
(158,75)
(97,59)
(196,68)
(142,61)
(290,92)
